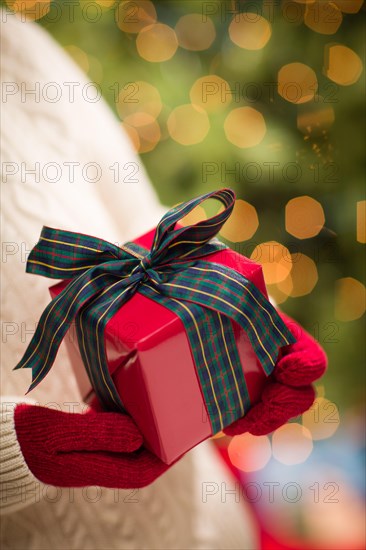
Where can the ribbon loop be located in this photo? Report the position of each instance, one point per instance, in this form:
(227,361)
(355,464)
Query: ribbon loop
(173,245)
(76,253)
(206,296)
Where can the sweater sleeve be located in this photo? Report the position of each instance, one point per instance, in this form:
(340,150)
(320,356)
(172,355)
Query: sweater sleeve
(18,486)
(36,135)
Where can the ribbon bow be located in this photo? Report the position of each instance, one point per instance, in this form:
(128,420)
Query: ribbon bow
(173,273)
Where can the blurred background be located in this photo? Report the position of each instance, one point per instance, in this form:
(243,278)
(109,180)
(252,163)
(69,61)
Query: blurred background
(266,97)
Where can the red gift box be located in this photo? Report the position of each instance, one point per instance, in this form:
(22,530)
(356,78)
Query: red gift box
(152,366)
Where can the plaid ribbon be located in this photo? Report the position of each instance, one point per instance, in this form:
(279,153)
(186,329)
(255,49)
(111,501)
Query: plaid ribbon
(206,296)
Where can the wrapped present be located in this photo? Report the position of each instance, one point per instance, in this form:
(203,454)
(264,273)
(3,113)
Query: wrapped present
(174,328)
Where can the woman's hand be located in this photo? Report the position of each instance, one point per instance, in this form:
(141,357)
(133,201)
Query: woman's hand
(106,449)
(289,391)
(78,450)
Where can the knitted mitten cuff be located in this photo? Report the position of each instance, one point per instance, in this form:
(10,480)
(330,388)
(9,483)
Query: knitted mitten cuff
(18,486)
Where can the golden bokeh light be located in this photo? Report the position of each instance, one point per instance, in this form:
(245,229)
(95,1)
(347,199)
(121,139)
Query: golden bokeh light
(188,124)
(105,3)
(350,299)
(361,221)
(79,56)
(139,96)
(304,217)
(147,128)
(250,31)
(132,17)
(322,419)
(133,135)
(292,444)
(149,136)
(198,214)
(211,92)
(275,259)
(276,294)
(30,9)
(95,69)
(157,43)
(285,287)
(349,6)
(245,127)
(25,3)
(194,32)
(323,17)
(242,224)
(341,64)
(297,83)
(302,279)
(219,435)
(315,117)
(249,453)
(22,5)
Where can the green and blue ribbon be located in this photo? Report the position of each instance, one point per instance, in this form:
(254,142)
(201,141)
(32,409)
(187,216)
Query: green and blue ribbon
(205,295)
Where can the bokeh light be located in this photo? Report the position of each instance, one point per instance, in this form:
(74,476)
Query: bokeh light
(349,6)
(302,279)
(322,419)
(341,64)
(139,96)
(188,124)
(292,444)
(242,224)
(211,92)
(276,295)
(105,3)
(198,214)
(250,31)
(275,259)
(249,453)
(284,288)
(132,17)
(219,435)
(337,523)
(148,131)
(361,221)
(245,127)
(95,72)
(323,17)
(304,217)
(315,117)
(270,105)
(22,5)
(297,83)
(31,9)
(133,135)
(350,299)
(195,32)
(157,43)
(79,56)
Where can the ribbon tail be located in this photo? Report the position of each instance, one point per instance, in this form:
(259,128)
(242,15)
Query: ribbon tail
(90,324)
(46,340)
(55,322)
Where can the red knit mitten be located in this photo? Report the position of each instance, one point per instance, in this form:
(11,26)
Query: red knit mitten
(79,450)
(289,391)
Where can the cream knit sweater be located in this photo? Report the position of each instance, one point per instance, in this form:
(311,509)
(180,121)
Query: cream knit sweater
(41,138)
